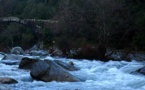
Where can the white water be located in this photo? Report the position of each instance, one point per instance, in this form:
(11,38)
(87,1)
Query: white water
(112,75)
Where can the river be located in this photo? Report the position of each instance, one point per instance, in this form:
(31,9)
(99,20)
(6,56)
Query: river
(98,75)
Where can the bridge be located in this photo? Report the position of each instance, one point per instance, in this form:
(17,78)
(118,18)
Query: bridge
(31,23)
(36,25)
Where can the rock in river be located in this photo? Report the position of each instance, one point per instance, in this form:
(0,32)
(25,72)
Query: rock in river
(17,50)
(141,70)
(38,53)
(6,80)
(51,72)
(39,69)
(27,63)
(66,65)
(12,57)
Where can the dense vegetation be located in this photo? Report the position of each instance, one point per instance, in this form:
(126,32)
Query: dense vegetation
(101,24)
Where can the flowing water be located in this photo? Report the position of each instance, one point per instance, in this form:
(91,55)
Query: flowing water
(112,75)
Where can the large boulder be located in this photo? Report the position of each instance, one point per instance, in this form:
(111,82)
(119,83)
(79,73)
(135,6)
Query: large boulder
(27,63)
(17,50)
(51,72)
(58,73)
(39,69)
(66,66)
(6,80)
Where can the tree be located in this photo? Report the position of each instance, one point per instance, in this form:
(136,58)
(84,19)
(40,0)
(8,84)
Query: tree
(17,35)
(90,20)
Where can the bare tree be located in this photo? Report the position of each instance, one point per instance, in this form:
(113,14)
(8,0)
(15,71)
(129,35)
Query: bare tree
(90,20)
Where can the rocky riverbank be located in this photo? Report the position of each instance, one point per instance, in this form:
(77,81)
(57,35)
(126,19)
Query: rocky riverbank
(32,72)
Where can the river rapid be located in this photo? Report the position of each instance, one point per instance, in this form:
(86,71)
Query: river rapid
(97,75)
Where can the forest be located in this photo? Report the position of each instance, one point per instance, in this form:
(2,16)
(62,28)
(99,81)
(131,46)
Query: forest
(92,25)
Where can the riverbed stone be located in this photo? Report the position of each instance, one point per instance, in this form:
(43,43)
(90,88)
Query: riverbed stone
(53,72)
(27,63)
(12,57)
(39,69)
(141,70)
(58,73)
(66,66)
(7,80)
(38,53)
(17,50)
(10,62)
(56,52)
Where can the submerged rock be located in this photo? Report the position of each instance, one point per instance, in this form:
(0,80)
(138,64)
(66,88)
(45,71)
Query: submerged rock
(141,70)
(27,63)
(6,80)
(71,63)
(66,66)
(50,72)
(10,62)
(12,57)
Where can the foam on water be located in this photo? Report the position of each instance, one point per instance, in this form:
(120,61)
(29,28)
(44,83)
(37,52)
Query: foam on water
(1,56)
(112,75)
